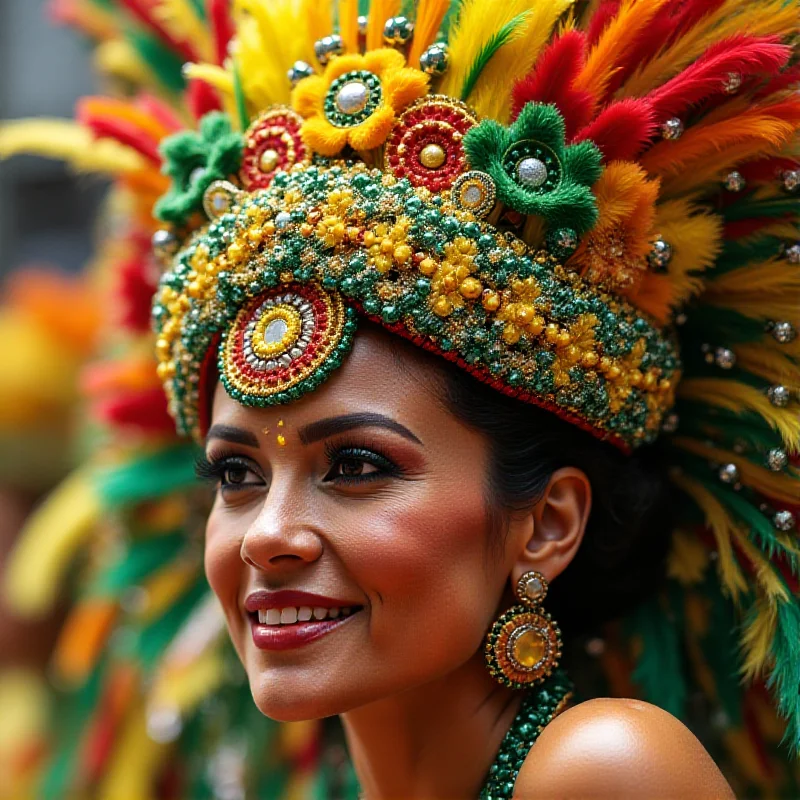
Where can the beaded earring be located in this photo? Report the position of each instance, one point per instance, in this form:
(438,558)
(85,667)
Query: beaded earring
(524,645)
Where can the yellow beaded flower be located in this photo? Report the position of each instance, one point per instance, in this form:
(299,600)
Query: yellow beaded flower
(355,101)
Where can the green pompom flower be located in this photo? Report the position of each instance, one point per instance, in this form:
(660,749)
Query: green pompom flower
(535,172)
(194,159)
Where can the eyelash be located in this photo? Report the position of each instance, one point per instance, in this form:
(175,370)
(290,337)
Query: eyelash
(213,470)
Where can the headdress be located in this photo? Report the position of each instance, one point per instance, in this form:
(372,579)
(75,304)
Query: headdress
(589,208)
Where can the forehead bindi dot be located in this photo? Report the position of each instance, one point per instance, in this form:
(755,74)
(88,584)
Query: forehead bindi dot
(281,440)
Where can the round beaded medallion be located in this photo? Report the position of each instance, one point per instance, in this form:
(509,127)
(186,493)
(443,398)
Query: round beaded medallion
(352,98)
(523,647)
(474,192)
(272,143)
(282,339)
(425,144)
(532,165)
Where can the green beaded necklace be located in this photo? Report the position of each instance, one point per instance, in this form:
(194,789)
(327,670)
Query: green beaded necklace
(539,706)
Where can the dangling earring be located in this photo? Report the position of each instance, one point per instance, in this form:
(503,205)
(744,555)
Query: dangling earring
(524,645)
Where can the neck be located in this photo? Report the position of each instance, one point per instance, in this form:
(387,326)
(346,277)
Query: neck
(434,741)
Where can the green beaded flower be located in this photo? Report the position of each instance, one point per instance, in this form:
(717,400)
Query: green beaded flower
(194,159)
(534,170)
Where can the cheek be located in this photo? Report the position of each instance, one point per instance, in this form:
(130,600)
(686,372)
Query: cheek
(223,564)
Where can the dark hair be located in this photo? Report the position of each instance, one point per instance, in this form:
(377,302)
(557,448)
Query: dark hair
(622,557)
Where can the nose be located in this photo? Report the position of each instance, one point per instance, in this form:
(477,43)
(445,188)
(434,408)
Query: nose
(282,535)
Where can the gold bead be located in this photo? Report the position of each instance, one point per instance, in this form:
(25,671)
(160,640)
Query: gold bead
(551,332)
(511,334)
(470,288)
(402,253)
(268,160)
(432,156)
(589,360)
(490,300)
(443,307)
(524,315)
(536,326)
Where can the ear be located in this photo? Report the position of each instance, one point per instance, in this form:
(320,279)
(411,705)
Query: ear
(556,525)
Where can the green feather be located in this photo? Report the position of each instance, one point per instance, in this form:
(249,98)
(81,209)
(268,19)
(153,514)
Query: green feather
(241,103)
(495,42)
(165,64)
(784,679)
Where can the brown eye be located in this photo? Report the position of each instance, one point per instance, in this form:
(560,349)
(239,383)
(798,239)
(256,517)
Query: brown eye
(351,468)
(235,476)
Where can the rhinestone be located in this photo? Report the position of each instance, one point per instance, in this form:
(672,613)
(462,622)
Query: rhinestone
(533,588)
(777,459)
(784,521)
(778,395)
(531,173)
(398,31)
(164,244)
(298,71)
(327,47)
(660,255)
(432,156)
(724,358)
(435,60)
(363,22)
(672,129)
(729,473)
(275,331)
(783,332)
(792,254)
(529,647)
(268,160)
(352,97)
(734,181)
(670,423)
(283,219)
(732,83)
(791,179)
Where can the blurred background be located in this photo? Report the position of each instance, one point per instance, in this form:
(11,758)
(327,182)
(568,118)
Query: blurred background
(46,211)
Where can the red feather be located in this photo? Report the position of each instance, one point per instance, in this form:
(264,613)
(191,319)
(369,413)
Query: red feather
(786,80)
(687,15)
(744,55)
(201,98)
(605,13)
(160,111)
(123,131)
(767,170)
(550,81)
(219,15)
(143,11)
(144,410)
(621,130)
(137,283)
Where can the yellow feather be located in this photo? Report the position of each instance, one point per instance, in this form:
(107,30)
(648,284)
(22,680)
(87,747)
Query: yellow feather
(430,14)
(738,397)
(757,639)
(180,18)
(688,559)
(220,79)
(734,16)
(117,59)
(51,538)
(165,587)
(768,279)
(613,44)
(69,142)
(771,365)
(721,526)
(379,12)
(782,487)
(348,24)
(477,22)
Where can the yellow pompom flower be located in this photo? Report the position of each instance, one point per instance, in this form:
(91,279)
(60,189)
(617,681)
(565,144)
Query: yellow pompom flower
(356,100)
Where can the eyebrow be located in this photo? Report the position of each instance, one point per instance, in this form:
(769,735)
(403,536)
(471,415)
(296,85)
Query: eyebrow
(231,434)
(347,422)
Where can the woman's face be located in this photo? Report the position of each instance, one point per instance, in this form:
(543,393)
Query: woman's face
(371,496)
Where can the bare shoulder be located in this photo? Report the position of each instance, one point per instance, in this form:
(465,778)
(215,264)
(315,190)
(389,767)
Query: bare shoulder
(619,749)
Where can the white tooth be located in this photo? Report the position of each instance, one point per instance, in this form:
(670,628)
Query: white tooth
(303,614)
(288,616)
(333,613)
(346,611)
(262,615)
(273,616)
(320,613)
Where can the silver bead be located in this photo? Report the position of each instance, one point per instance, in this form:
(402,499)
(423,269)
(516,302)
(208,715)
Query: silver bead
(729,473)
(435,60)
(734,181)
(531,173)
(298,71)
(363,21)
(777,459)
(783,332)
(784,521)
(352,97)
(724,358)
(670,422)
(732,83)
(660,255)
(792,253)
(327,47)
(791,179)
(672,129)
(778,395)
(282,220)
(164,244)
(398,31)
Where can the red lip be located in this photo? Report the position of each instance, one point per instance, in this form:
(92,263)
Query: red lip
(287,637)
(288,598)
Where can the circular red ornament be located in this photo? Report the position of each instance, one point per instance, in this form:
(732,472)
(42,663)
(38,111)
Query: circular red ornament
(425,145)
(272,143)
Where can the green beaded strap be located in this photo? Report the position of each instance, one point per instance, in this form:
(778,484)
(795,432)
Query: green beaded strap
(539,707)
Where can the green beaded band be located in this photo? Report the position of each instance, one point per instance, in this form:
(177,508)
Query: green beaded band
(539,707)
(429,270)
